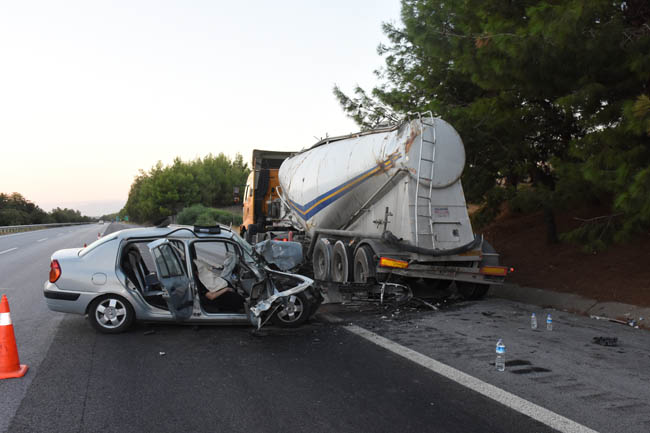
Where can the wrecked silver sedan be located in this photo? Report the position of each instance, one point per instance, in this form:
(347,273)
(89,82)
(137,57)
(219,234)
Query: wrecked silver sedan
(194,275)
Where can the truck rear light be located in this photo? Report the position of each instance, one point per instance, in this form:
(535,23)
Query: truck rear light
(55,271)
(500,271)
(393,263)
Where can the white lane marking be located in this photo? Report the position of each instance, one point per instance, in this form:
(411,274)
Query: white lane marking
(5,319)
(8,251)
(538,413)
(41,240)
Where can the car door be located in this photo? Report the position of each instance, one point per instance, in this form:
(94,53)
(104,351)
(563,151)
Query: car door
(173,279)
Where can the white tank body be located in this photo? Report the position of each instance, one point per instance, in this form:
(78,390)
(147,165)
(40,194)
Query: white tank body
(347,183)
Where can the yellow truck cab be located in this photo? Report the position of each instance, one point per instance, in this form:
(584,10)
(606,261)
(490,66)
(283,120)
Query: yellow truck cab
(261,198)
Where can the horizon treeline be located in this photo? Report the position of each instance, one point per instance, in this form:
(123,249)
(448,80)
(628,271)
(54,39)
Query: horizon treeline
(17,210)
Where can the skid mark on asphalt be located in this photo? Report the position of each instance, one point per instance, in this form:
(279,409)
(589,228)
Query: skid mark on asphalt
(499,395)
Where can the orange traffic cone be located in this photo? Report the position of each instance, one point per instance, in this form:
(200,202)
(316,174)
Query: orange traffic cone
(10,366)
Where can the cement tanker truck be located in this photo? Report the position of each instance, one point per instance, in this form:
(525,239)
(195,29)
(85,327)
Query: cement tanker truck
(378,206)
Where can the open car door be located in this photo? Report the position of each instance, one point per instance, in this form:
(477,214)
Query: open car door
(173,279)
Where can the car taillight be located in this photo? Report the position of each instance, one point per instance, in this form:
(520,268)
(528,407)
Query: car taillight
(55,271)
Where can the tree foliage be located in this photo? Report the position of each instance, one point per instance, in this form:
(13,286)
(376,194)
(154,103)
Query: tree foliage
(166,190)
(553,93)
(17,210)
(206,216)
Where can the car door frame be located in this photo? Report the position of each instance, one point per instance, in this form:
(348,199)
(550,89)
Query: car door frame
(178,290)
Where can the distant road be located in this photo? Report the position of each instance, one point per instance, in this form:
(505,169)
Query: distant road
(24,268)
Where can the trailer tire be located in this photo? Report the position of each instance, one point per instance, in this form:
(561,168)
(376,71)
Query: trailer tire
(365,268)
(322,259)
(341,262)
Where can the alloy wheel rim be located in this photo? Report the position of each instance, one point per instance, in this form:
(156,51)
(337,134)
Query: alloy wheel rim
(111,313)
(292,310)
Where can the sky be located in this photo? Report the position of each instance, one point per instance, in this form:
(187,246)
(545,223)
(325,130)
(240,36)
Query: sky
(93,91)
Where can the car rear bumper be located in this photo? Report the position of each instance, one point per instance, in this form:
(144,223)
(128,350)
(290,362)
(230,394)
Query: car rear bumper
(66,301)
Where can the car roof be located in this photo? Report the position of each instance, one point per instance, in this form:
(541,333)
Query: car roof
(177,231)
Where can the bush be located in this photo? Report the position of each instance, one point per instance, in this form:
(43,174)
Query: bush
(527,200)
(494,198)
(206,216)
(189,215)
(594,235)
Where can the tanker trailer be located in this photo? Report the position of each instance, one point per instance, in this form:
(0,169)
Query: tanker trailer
(387,205)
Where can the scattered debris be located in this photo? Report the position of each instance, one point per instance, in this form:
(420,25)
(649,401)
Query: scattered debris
(630,322)
(162,353)
(425,303)
(606,341)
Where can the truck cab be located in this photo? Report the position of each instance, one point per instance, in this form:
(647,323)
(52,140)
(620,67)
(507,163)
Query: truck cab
(261,198)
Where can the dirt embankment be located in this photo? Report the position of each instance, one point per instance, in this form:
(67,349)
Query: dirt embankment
(621,273)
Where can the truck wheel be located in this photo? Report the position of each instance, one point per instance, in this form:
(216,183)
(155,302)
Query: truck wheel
(252,231)
(364,265)
(341,262)
(322,259)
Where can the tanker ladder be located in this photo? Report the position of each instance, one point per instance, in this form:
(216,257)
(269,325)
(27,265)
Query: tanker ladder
(429,157)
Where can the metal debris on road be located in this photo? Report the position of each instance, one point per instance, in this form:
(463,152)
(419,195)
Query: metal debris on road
(162,353)
(630,322)
(425,303)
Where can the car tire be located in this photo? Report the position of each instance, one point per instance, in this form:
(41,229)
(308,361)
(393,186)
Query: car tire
(298,312)
(111,314)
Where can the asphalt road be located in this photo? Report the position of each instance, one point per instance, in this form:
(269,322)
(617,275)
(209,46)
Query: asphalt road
(24,267)
(320,377)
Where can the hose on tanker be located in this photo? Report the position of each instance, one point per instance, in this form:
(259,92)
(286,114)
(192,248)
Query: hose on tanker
(391,239)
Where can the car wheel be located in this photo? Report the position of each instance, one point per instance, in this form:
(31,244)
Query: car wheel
(110,314)
(293,313)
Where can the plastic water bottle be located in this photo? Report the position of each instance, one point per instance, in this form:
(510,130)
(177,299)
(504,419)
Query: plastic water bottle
(501,356)
(549,322)
(533,321)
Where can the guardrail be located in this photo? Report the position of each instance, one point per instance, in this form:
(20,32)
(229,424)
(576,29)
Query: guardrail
(30,227)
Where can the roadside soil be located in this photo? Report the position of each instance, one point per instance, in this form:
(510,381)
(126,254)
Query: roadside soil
(620,274)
